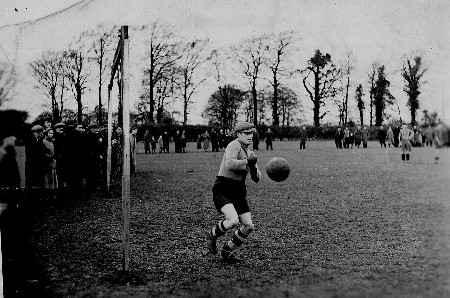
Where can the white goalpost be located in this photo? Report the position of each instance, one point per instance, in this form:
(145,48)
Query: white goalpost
(121,68)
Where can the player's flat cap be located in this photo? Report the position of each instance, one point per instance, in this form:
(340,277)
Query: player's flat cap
(37,128)
(244,126)
(60,124)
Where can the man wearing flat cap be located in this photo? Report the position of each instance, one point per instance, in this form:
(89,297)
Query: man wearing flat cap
(60,153)
(230,193)
(35,159)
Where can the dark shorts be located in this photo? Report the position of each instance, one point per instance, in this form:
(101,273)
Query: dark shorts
(229,191)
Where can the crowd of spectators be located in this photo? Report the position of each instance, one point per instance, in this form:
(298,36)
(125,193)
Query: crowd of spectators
(350,137)
(61,157)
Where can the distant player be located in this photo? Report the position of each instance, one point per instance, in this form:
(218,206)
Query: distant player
(230,193)
(438,139)
(404,138)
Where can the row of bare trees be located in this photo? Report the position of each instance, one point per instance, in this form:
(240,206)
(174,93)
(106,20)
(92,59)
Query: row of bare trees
(67,73)
(250,77)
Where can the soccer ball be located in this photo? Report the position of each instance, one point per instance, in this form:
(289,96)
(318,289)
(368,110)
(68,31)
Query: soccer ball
(278,169)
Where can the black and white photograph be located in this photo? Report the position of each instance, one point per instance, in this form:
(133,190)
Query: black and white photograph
(241,148)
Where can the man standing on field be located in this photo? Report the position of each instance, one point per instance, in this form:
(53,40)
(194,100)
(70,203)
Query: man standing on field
(303,137)
(405,138)
(230,193)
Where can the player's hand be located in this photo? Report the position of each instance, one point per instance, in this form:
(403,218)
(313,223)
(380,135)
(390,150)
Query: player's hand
(251,160)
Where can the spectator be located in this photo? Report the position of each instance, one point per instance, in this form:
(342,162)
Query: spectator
(303,137)
(199,142)
(338,137)
(153,143)
(417,138)
(214,141)
(206,139)
(222,139)
(51,181)
(255,140)
(382,136)
(183,141)
(365,136)
(429,136)
(358,136)
(166,141)
(61,157)
(177,141)
(35,159)
(346,137)
(147,142)
(396,132)
(390,137)
(161,144)
(269,139)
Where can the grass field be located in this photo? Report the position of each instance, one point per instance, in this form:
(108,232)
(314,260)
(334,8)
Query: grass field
(347,223)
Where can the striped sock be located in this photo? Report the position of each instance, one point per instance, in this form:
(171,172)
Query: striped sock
(218,230)
(236,241)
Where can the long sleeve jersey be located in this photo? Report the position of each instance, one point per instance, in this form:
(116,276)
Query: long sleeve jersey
(406,134)
(234,163)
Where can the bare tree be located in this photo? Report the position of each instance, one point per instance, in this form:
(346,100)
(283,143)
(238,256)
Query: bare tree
(250,56)
(188,66)
(78,73)
(346,70)
(6,81)
(325,75)
(412,74)
(50,73)
(372,79)
(163,51)
(276,58)
(165,88)
(289,105)
(101,52)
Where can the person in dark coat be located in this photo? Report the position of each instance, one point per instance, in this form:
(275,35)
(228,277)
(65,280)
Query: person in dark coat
(382,137)
(214,141)
(365,136)
(338,138)
(255,140)
(60,154)
(303,137)
(166,141)
(269,139)
(177,141)
(35,159)
(222,139)
(358,136)
(396,132)
(147,139)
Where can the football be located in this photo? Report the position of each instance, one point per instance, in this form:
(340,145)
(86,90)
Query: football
(278,169)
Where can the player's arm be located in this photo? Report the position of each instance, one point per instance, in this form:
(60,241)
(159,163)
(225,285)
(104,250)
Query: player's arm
(232,163)
(255,174)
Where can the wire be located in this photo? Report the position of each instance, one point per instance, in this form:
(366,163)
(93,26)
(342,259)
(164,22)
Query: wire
(27,23)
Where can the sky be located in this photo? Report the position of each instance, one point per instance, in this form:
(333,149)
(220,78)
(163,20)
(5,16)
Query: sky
(373,30)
